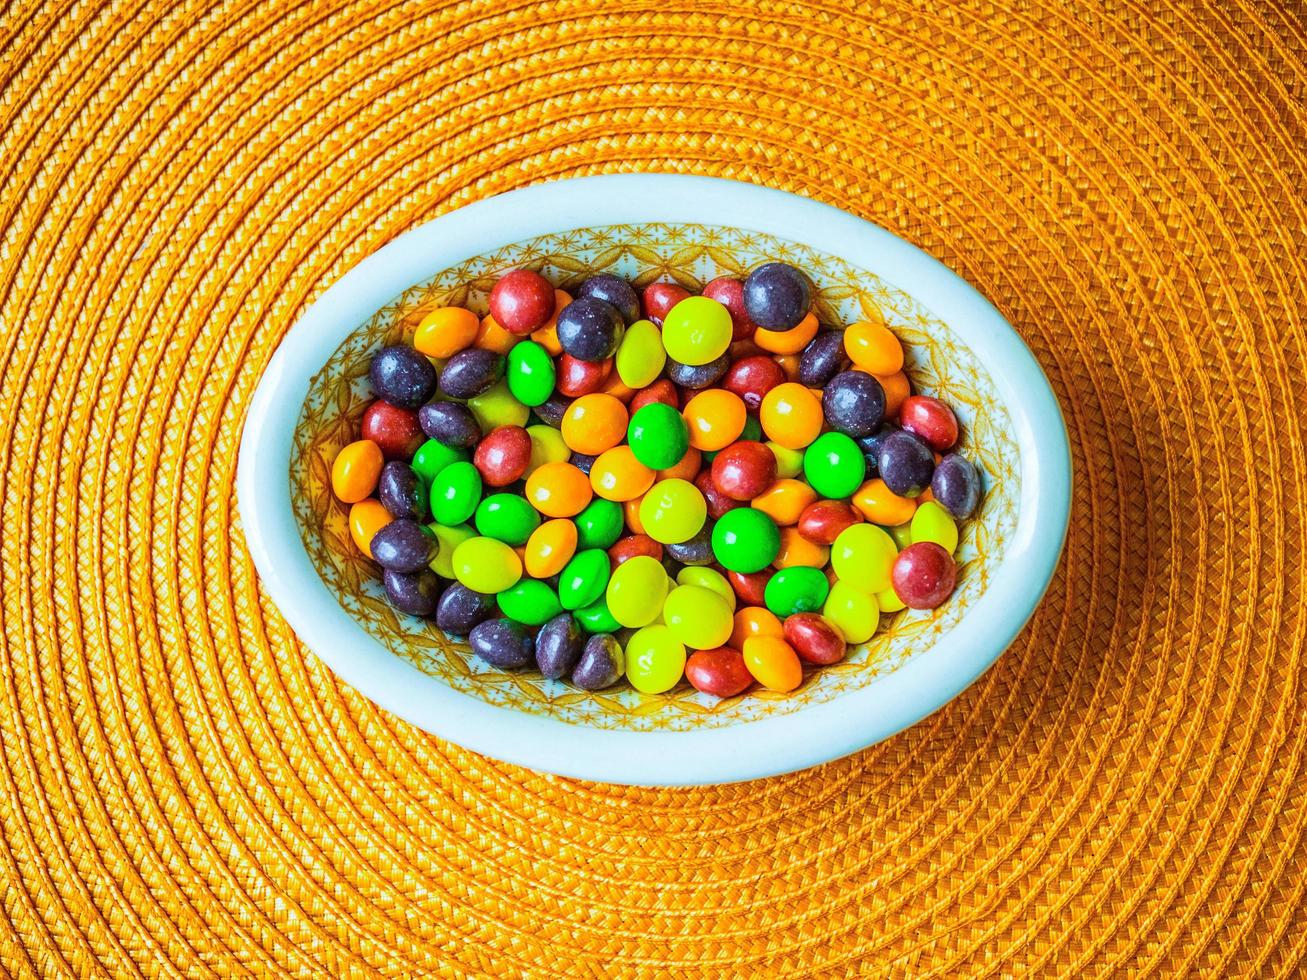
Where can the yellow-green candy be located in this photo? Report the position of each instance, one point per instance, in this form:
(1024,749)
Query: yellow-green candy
(448,537)
(789,462)
(698,617)
(486,565)
(932,522)
(547,446)
(496,407)
(673,511)
(636,591)
(655,658)
(855,613)
(709,578)
(863,556)
(641,357)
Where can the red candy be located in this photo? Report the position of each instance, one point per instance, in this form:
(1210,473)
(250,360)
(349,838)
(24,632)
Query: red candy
(502,456)
(815,639)
(730,293)
(930,419)
(719,672)
(659,298)
(577,377)
(395,430)
(522,301)
(752,377)
(662,391)
(822,520)
(633,545)
(743,470)
(751,587)
(718,503)
(923,575)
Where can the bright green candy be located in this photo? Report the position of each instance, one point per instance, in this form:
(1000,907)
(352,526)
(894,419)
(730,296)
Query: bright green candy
(455,492)
(658,436)
(641,357)
(863,555)
(789,462)
(699,617)
(447,539)
(584,578)
(697,330)
(834,465)
(796,589)
(547,446)
(486,565)
(655,659)
(855,613)
(902,535)
(433,456)
(752,429)
(507,517)
(529,602)
(497,406)
(595,618)
(673,511)
(709,578)
(600,524)
(932,522)
(636,591)
(745,540)
(531,374)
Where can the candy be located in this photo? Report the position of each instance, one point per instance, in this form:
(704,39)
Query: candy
(754,621)
(415,593)
(595,618)
(455,492)
(550,547)
(773,663)
(403,546)
(745,540)
(791,415)
(880,505)
(751,378)
(655,660)
(776,296)
(558,490)
(471,372)
(506,517)
(502,643)
(814,639)
(796,589)
(718,503)
(785,501)
(531,373)
(590,329)
(614,291)
(658,435)
(863,556)
(402,377)
(870,446)
(547,446)
(889,601)
(897,389)
(491,336)
(601,665)
(902,534)
(697,331)
(699,617)
(450,424)
(636,591)
(743,470)
(486,565)
(833,465)
(729,291)
(659,298)
(906,464)
(584,579)
(873,348)
(672,511)
(789,341)
(751,587)
(599,525)
(719,672)
(930,420)
(633,545)
(956,486)
(822,520)
(932,522)
(822,359)
(697,376)
(502,456)
(853,403)
(797,550)
(640,356)
(661,392)
(618,475)
(460,609)
(924,575)
(355,471)
(530,601)
(686,469)
(496,406)
(366,518)
(576,377)
(448,538)
(401,492)
(522,301)
(559,645)
(594,423)
(715,417)
(853,611)
(789,462)
(395,430)
(708,578)
(445,331)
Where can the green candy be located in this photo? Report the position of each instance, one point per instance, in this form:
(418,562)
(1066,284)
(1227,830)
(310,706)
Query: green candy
(455,492)
(752,430)
(658,436)
(595,618)
(530,602)
(745,540)
(796,589)
(834,465)
(600,524)
(433,456)
(507,517)
(584,578)
(531,373)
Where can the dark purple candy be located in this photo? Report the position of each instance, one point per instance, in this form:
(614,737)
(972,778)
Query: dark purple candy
(470,372)
(414,593)
(590,329)
(460,609)
(870,446)
(776,296)
(502,643)
(601,665)
(700,375)
(616,292)
(853,403)
(906,463)
(558,646)
(696,551)
(402,376)
(553,409)
(403,546)
(822,358)
(956,485)
(582,461)
(450,423)
(401,492)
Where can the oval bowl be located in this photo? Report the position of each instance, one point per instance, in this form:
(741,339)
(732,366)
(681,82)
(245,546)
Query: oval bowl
(646,227)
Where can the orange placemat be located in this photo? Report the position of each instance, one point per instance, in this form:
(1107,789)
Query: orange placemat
(186,791)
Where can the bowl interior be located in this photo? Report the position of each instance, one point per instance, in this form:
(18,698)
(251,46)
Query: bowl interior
(938,362)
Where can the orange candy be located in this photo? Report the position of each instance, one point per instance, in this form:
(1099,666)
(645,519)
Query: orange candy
(784,501)
(355,471)
(753,621)
(716,418)
(618,475)
(366,518)
(631,512)
(446,331)
(493,337)
(615,387)
(594,423)
(558,490)
(547,335)
(787,341)
(798,550)
(880,505)
(873,348)
(789,364)
(773,663)
(550,547)
(897,390)
(790,415)
(686,469)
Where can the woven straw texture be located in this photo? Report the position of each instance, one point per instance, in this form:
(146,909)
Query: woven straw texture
(185,791)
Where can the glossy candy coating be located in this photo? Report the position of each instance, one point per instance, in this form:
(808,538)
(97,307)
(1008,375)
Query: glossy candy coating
(697,331)
(655,660)
(698,376)
(658,435)
(796,589)
(897,388)
(822,359)
(486,565)
(496,406)
(863,556)
(751,587)
(873,348)
(672,511)
(530,602)
(870,446)
(601,665)
(594,423)
(640,357)
(932,522)
(590,329)
(403,546)
(815,639)
(599,525)
(636,591)
(506,517)
(661,392)
(460,609)
(822,520)
(789,462)
(401,492)
(776,296)
(855,612)
(355,471)
(697,616)
(689,466)
(797,550)
(450,424)
(853,403)
(729,291)
(924,575)
(455,492)
(745,540)
(791,415)
(718,503)
(744,470)
(415,593)
(658,299)
(716,418)
(522,301)
(553,409)
(471,372)
(366,518)
(595,618)
(558,490)
(502,643)
(752,377)
(709,578)
(956,485)
(585,579)
(720,672)
(559,645)
(402,376)
(931,421)
(491,336)
(889,601)
(395,430)
(789,342)
(785,501)
(531,373)
(754,621)
(880,505)
(906,464)
(614,291)
(503,455)
(833,465)
(448,538)
(694,550)
(547,446)
(633,545)
(576,377)
(773,663)
(445,331)
(550,547)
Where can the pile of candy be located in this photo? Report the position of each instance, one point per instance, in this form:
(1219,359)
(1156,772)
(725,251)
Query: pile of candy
(569,485)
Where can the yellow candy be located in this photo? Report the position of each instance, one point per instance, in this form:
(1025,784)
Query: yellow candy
(547,446)
(486,565)
(655,658)
(699,617)
(448,537)
(863,556)
(697,330)
(855,613)
(636,591)
(550,547)
(789,462)
(889,601)
(709,578)
(932,522)
(641,357)
(673,511)
(497,407)
(901,533)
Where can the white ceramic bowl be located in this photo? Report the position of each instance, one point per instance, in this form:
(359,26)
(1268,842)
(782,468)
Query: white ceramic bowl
(646,226)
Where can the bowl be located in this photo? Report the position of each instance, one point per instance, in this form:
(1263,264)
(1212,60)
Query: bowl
(647,227)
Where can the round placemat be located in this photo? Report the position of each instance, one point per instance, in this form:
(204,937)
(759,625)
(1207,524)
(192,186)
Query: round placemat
(186,791)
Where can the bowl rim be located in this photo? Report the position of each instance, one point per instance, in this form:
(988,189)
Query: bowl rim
(752,749)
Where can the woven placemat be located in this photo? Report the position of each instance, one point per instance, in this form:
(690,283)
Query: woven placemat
(185,791)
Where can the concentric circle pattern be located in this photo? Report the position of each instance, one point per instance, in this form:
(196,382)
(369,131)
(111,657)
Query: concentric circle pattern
(185,791)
